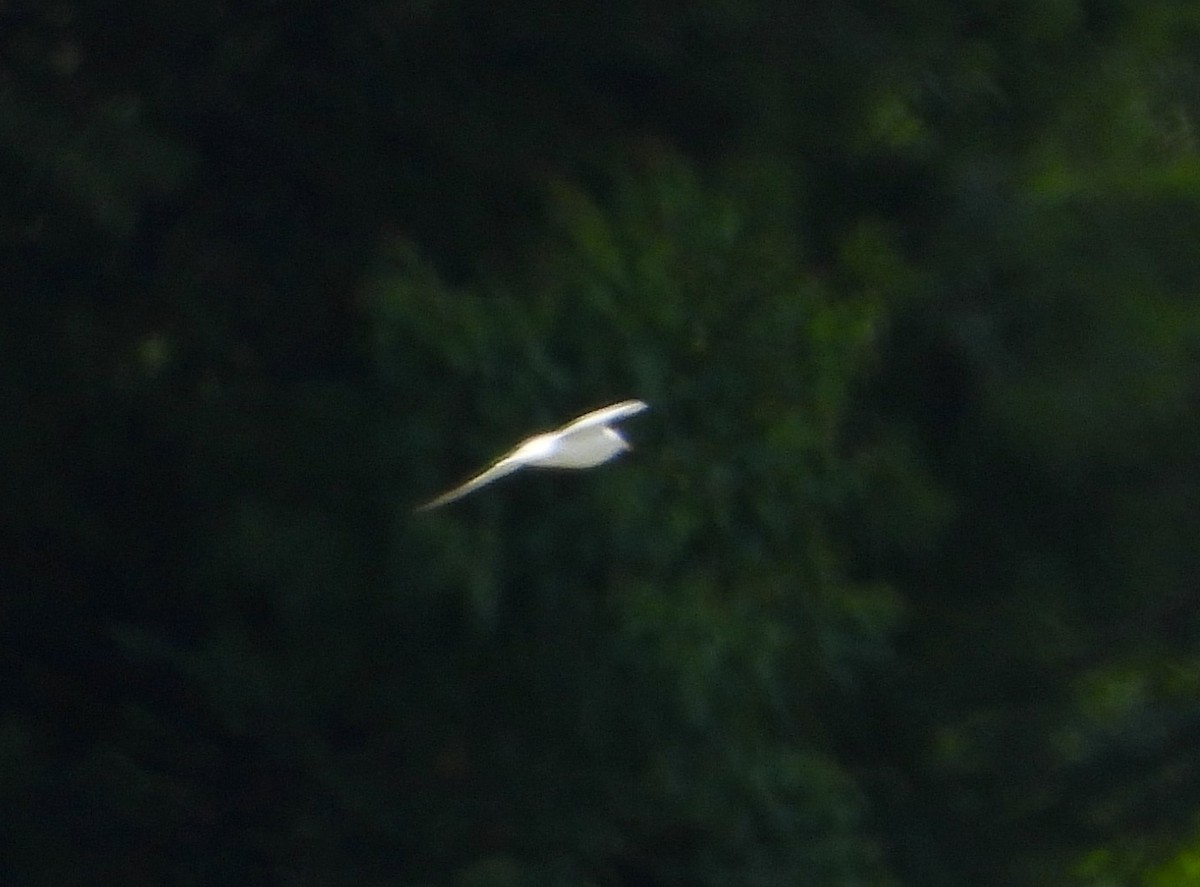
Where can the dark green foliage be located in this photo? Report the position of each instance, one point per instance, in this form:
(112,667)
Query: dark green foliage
(897,587)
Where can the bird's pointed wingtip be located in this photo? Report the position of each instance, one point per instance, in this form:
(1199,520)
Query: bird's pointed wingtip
(439,501)
(631,407)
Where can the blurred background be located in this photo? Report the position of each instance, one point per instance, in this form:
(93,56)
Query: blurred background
(899,585)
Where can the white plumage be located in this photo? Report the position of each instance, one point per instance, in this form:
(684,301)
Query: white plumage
(582,443)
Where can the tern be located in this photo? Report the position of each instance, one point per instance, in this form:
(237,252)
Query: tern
(581,443)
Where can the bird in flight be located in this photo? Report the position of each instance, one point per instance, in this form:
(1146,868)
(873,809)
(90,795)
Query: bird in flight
(582,443)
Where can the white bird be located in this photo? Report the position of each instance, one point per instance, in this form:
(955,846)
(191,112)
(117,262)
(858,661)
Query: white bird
(582,443)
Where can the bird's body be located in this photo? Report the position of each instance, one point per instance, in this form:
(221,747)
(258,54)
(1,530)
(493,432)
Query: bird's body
(583,443)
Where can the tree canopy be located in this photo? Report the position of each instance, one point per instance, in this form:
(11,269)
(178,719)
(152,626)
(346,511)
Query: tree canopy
(899,585)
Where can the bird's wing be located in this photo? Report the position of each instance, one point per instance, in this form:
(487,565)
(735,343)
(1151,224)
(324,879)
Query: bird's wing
(504,466)
(604,416)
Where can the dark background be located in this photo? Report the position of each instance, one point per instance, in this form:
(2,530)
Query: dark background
(898,587)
